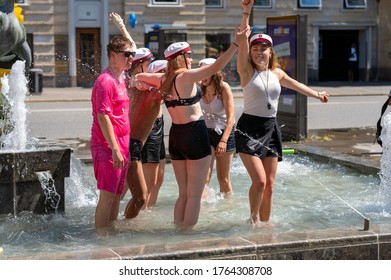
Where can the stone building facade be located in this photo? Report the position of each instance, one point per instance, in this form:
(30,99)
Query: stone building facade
(68,37)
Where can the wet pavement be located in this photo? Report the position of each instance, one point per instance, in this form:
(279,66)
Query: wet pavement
(354,146)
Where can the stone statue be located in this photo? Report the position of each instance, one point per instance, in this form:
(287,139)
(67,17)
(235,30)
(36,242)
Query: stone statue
(13,47)
(13,44)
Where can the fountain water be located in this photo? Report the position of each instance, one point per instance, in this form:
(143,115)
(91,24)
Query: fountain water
(14,89)
(300,205)
(21,159)
(385,163)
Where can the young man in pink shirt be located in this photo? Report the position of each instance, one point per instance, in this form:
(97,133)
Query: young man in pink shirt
(110,130)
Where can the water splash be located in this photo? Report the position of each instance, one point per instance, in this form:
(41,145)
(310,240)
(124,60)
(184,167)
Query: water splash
(385,161)
(14,88)
(52,198)
(81,188)
(61,58)
(299,205)
(254,144)
(366,220)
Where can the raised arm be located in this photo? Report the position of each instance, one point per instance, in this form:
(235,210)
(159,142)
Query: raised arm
(195,75)
(119,23)
(247,5)
(244,66)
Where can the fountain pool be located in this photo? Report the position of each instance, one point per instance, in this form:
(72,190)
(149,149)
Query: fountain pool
(304,209)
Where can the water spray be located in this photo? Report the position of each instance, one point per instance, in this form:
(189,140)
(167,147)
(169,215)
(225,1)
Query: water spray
(219,120)
(366,220)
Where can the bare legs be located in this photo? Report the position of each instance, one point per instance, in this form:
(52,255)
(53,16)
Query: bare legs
(136,183)
(223,169)
(190,176)
(107,209)
(262,174)
(154,174)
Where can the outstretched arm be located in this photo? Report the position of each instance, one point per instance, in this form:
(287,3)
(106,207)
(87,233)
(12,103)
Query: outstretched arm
(119,23)
(143,81)
(291,83)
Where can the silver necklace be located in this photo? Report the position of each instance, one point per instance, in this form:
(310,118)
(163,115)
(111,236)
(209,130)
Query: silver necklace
(269,106)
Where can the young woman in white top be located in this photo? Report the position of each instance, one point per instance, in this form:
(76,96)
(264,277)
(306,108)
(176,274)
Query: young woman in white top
(189,145)
(257,135)
(217,104)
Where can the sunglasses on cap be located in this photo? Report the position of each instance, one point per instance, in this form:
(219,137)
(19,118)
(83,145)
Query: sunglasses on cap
(127,53)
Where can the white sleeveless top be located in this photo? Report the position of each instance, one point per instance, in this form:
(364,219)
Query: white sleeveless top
(214,113)
(263,88)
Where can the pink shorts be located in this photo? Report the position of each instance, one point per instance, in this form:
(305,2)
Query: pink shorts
(108,178)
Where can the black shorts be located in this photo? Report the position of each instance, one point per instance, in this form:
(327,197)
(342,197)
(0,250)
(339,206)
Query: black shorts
(135,149)
(258,136)
(215,138)
(353,65)
(154,149)
(189,141)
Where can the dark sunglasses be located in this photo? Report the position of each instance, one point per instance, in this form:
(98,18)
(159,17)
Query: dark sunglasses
(127,53)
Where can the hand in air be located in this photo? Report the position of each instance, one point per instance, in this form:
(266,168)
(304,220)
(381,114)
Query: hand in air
(117,20)
(242,35)
(247,5)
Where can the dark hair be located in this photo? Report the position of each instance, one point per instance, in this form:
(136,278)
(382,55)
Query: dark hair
(117,44)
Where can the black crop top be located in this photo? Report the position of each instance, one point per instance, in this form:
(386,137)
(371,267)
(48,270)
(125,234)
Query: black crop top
(184,101)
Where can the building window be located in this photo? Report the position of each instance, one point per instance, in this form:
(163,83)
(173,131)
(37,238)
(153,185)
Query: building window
(263,4)
(310,4)
(214,4)
(165,2)
(355,4)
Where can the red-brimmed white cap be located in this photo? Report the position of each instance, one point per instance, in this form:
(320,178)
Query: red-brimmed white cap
(157,66)
(142,54)
(176,49)
(261,39)
(206,61)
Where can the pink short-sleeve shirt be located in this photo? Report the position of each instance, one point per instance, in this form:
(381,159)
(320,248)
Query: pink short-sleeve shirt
(109,97)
